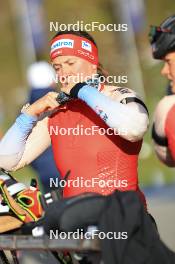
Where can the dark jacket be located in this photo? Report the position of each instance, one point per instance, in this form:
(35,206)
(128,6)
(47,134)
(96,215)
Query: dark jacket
(123,212)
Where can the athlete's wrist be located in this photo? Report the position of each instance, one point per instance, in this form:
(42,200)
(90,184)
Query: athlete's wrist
(28,110)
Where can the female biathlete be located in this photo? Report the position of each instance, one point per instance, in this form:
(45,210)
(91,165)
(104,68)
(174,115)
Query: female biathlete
(103,159)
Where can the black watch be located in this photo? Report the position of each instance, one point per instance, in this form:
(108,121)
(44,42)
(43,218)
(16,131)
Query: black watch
(62,98)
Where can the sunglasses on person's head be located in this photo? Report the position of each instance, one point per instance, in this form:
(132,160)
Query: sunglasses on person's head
(155,33)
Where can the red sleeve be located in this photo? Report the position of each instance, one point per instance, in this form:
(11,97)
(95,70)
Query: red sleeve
(170,130)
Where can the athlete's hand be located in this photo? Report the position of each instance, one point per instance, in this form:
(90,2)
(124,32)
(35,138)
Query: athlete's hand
(45,103)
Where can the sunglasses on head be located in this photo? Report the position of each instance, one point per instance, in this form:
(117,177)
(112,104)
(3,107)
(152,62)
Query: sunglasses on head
(156,32)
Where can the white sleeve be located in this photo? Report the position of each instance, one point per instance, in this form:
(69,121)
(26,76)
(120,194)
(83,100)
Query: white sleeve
(130,118)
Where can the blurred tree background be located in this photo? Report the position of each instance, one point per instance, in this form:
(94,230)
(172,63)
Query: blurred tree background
(13,85)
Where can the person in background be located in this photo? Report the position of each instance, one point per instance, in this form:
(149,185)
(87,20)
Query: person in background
(163,131)
(40,78)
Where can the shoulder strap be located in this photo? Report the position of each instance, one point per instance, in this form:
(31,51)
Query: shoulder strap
(134,99)
(162,141)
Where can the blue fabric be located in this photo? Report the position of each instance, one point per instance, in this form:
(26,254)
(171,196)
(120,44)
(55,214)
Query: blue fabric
(25,123)
(36,94)
(100,103)
(14,140)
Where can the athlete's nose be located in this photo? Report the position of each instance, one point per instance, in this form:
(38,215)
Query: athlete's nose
(165,70)
(64,73)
